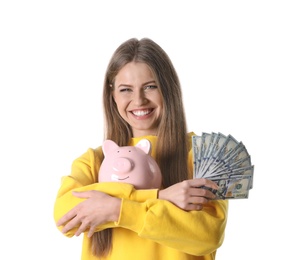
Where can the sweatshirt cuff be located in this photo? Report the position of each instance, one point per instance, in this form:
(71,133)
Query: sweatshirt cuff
(132,215)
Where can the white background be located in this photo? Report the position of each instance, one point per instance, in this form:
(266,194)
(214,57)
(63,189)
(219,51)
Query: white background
(236,63)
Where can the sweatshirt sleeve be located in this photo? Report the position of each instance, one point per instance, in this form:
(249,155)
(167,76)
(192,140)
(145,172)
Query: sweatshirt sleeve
(193,232)
(83,177)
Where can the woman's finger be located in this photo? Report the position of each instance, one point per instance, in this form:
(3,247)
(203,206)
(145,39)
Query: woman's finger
(82,194)
(83,227)
(201,192)
(67,217)
(91,231)
(198,183)
(75,222)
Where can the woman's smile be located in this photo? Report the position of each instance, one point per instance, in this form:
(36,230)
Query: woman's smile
(141,113)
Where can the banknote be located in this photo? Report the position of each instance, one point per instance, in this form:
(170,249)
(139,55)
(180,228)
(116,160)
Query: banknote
(225,161)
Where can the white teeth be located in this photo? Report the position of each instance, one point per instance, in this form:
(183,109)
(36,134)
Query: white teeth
(141,112)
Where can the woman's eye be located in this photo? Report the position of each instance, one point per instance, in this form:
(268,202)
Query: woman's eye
(150,87)
(125,90)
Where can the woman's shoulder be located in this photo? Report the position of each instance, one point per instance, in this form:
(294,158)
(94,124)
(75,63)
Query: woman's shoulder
(92,154)
(190,134)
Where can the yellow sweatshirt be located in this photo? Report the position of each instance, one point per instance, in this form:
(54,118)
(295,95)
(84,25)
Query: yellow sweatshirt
(148,228)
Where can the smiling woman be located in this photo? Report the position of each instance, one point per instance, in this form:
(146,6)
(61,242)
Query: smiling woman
(138,99)
(179,220)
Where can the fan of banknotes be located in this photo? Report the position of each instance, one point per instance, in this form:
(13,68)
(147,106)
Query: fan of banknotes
(225,161)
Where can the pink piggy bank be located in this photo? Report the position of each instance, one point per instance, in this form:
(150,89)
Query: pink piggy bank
(130,164)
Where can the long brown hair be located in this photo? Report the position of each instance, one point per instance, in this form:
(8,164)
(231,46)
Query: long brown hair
(172,145)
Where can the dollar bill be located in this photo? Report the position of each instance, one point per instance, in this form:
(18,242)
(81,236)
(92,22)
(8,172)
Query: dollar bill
(233,187)
(225,161)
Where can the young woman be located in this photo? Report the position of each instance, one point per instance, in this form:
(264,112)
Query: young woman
(142,99)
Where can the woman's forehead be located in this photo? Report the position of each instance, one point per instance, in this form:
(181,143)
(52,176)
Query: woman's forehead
(134,73)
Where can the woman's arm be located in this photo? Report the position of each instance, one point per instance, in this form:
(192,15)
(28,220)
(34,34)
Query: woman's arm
(155,219)
(196,232)
(83,179)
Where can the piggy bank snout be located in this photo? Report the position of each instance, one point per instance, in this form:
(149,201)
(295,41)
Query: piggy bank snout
(122,165)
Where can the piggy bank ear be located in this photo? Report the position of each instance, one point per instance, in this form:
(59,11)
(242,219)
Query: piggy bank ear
(108,146)
(144,145)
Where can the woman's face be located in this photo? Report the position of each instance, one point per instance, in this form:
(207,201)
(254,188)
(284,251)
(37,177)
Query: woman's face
(138,98)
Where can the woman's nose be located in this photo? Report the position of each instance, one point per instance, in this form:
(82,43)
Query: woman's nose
(139,98)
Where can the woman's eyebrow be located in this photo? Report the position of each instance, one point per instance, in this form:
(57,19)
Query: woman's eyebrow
(124,85)
(128,85)
(149,82)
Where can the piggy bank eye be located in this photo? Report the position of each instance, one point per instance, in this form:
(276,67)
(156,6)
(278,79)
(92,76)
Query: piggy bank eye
(129,151)
(117,151)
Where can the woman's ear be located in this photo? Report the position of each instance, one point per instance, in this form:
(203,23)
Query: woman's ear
(112,92)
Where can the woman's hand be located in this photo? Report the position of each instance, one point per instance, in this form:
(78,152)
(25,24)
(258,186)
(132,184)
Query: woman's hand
(190,194)
(97,209)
